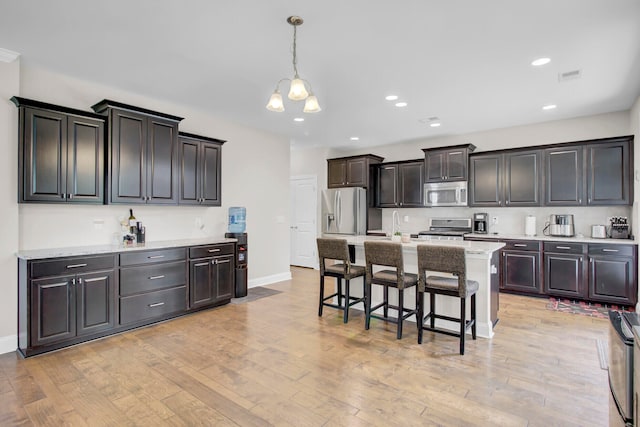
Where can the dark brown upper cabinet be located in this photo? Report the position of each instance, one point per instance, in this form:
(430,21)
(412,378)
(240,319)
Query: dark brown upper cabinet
(351,171)
(61,154)
(142,154)
(200,170)
(590,173)
(511,178)
(400,184)
(447,164)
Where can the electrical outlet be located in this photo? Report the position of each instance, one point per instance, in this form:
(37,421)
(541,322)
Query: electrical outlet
(494,220)
(405,218)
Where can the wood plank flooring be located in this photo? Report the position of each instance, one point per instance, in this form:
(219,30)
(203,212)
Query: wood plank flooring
(273,361)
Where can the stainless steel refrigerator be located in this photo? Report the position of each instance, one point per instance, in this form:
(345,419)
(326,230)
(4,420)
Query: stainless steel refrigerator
(344,210)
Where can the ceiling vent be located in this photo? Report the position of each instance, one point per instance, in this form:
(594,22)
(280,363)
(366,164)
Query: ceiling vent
(569,75)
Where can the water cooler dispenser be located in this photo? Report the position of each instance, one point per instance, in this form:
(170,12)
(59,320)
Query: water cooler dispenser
(237,216)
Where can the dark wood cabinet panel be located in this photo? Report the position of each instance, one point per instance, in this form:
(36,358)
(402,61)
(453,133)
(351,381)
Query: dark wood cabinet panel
(612,279)
(61,157)
(387,186)
(521,271)
(522,178)
(95,308)
(336,173)
(211,280)
(200,170)
(447,164)
(128,157)
(400,184)
(161,165)
(608,173)
(53,310)
(350,171)
(564,175)
(148,306)
(564,275)
(358,172)
(223,278)
(485,176)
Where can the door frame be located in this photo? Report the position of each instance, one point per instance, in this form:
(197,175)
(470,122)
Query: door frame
(314,178)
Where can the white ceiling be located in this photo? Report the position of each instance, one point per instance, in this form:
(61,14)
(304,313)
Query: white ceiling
(466,62)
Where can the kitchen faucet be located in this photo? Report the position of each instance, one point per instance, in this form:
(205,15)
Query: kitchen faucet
(395,222)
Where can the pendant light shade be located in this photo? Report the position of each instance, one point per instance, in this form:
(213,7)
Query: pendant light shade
(300,89)
(275,102)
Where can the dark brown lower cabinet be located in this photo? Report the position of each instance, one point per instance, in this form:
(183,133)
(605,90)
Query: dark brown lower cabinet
(211,278)
(564,269)
(521,267)
(613,275)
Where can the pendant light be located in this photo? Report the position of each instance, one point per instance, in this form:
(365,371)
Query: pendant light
(299,89)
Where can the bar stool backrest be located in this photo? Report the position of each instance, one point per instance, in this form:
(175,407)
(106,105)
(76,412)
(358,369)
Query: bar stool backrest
(443,259)
(333,249)
(387,254)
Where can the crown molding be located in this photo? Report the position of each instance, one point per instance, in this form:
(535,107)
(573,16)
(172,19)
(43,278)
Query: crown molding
(7,55)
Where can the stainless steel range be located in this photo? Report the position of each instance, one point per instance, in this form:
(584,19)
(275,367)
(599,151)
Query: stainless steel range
(446,229)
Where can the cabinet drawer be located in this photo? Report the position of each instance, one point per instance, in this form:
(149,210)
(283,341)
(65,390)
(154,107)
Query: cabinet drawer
(521,245)
(152,304)
(211,250)
(613,250)
(60,267)
(145,278)
(148,257)
(563,247)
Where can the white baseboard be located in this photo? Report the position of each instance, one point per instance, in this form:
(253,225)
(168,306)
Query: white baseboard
(8,344)
(267,280)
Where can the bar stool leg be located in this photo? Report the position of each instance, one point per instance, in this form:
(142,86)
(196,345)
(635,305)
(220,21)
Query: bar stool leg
(463,323)
(473,316)
(420,317)
(386,302)
(339,290)
(346,301)
(321,296)
(367,306)
(400,312)
(432,309)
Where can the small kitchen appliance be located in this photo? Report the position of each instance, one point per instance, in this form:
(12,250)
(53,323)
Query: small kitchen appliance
(619,227)
(445,193)
(561,225)
(480,222)
(598,231)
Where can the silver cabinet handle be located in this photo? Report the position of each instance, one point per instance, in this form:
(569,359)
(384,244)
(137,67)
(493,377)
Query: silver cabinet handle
(519,245)
(76,265)
(223,262)
(155,256)
(563,247)
(156,277)
(609,250)
(156,304)
(214,250)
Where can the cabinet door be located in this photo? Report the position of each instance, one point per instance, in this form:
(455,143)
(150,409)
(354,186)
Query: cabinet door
(85,160)
(95,302)
(387,196)
(357,173)
(189,190)
(435,166)
(53,310)
(485,180)
(522,178)
(162,182)
(337,173)
(456,165)
(128,158)
(411,184)
(563,168)
(564,275)
(210,173)
(201,291)
(608,179)
(223,278)
(521,271)
(45,156)
(611,280)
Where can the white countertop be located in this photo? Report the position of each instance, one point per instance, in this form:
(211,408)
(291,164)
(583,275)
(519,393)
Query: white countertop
(552,238)
(471,247)
(103,249)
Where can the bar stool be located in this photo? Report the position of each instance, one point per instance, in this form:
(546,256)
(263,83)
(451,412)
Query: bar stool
(445,259)
(338,250)
(387,254)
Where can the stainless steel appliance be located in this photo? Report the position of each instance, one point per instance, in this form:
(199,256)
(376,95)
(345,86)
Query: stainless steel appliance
(344,210)
(598,231)
(445,193)
(621,366)
(561,225)
(446,229)
(481,222)
(619,227)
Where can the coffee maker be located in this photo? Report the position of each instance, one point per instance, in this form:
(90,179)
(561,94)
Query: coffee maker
(480,222)
(561,225)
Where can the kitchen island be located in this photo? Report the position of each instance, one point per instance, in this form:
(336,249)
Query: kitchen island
(482,266)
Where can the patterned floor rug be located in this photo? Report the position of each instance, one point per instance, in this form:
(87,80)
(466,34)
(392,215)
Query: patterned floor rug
(584,308)
(254,294)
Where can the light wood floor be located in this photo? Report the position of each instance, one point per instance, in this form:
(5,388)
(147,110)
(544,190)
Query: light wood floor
(273,361)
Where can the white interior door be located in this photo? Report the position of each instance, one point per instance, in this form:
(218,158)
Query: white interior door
(304,211)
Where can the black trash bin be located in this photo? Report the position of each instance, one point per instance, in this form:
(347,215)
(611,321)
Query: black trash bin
(241,264)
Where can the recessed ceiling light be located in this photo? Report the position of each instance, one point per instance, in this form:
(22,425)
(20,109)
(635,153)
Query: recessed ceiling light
(401,104)
(549,107)
(298,119)
(391,97)
(354,138)
(540,61)
(435,125)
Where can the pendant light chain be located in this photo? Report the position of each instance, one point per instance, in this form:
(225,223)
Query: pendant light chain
(295,58)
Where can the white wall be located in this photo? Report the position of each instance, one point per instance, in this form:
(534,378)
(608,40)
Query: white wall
(255,174)
(9,85)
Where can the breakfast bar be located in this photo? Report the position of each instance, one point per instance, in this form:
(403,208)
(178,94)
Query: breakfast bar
(482,266)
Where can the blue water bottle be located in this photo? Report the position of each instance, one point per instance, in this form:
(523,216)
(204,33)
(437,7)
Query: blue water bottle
(237,219)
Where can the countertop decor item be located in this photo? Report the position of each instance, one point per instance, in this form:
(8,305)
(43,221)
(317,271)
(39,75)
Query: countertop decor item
(298,88)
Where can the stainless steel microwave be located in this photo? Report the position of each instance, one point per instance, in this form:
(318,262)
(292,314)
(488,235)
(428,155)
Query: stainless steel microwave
(452,193)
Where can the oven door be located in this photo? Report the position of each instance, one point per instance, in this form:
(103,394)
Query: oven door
(621,365)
